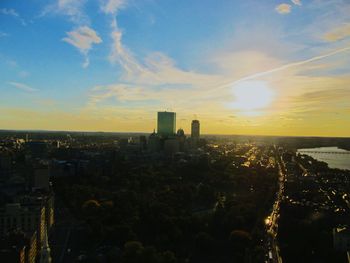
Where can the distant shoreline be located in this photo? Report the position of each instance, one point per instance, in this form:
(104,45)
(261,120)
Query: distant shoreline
(146,133)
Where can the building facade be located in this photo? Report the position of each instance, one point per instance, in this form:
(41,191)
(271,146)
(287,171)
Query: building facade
(27,218)
(166,123)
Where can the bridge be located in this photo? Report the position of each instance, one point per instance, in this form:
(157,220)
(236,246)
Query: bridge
(321,152)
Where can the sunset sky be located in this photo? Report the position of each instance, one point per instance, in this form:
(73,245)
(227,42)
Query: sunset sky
(240,67)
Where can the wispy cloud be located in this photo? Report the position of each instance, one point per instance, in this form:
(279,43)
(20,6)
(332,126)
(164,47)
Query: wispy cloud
(324,95)
(73,9)
(156,69)
(22,86)
(23,74)
(286,66)
(296,2)
(112,6)
(13,13)
(283,9)
(118,52)
(3,34)
(83,38)
(339,33)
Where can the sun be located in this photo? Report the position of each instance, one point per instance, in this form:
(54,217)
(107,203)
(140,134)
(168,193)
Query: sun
(250,96)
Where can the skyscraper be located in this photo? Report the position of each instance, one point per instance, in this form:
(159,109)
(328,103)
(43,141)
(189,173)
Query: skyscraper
(195,130)
(166,123)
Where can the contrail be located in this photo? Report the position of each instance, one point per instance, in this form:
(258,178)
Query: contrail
(293,64)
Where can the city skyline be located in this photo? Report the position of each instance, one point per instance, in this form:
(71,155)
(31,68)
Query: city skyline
(240,67)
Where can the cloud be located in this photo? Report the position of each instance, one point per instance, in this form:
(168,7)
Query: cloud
(323,95)
(22,86)
(13,13)
(297,2)
(155,69)
(133,69)
(74,9)
(3,34)
(23,74)
(10,12)
(284,67)
(112,6)
(339,33)
(121,92)
(283,9)
(83,38)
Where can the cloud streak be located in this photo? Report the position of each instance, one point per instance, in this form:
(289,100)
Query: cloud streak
(13,13)
(22,86)
(338,33)
(284,67)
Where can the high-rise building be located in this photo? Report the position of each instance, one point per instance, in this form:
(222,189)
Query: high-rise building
(195,133)
(195,129)
(166,123)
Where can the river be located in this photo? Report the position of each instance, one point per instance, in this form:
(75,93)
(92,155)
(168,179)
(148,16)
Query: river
(340,161)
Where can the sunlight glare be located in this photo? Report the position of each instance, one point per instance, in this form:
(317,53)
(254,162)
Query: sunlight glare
(251,96)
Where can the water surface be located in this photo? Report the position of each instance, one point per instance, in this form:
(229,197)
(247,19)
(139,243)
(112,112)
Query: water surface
(330,156)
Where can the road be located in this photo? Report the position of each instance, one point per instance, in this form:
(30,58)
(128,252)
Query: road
(66,236)
(273,254)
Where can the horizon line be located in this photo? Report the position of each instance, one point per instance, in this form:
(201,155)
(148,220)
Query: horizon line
(204,134)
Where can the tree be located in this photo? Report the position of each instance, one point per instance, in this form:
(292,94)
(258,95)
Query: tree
(240,242)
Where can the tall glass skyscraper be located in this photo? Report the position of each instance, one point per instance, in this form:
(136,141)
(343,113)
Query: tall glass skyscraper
(166,123)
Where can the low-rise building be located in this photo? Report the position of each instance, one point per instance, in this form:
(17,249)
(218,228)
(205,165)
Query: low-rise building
(27,218)
(17,246)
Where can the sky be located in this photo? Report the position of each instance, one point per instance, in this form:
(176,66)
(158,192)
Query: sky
(274,67)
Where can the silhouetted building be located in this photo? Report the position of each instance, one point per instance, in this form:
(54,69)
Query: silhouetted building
(181,137)
(195,129)
(166,123)
(143,142)
(154,142)
(171,146)
(195,132)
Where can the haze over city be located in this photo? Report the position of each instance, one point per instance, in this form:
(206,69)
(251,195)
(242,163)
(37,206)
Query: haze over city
(183,131)
(241,67)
